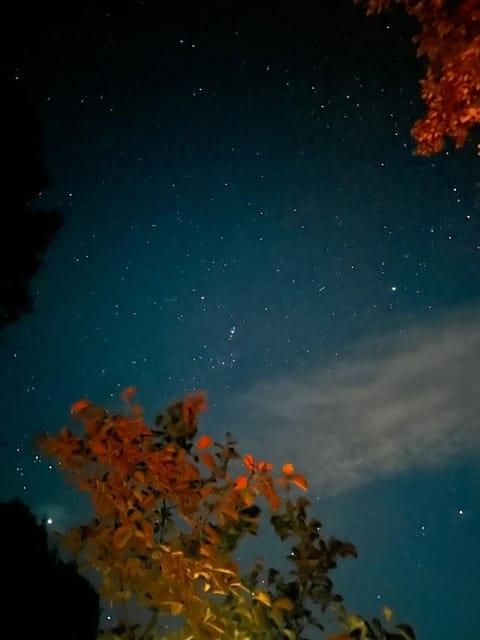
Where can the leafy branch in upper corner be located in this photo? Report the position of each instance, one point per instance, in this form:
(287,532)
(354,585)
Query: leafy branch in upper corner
(170,509)
(448,39)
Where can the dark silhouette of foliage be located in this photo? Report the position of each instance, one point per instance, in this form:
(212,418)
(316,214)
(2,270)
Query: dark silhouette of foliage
(43,596)
(26,231)
(170,508)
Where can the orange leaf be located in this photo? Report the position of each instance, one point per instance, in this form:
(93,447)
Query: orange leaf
(80,405)
(97,447)
(208,460)
(274,501)
(139,477)
(137,410)
(288,468)
(284,483)
(264,466)
(129,392)
(249,462)
(300,481)
(207,550)
(121,536)
(204,442)
(241,483)
(212,533)
(266,488)
(192,404)
(146,533)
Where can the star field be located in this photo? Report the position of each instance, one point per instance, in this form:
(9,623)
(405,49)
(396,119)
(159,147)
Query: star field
(244,215)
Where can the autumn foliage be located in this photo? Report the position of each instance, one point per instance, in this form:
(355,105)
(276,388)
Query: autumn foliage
(170,508)
(449,39)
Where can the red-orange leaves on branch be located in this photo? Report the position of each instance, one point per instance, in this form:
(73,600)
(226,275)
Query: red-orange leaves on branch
(290,476)
(192,405)
(78,406)
(449,39)
(169,514)
(179,423)
(142,481)
(204,442)
(67,448)
(128,393)
(260,481)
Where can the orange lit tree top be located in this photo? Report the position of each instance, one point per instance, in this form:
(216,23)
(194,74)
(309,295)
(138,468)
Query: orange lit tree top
(449,38)
(169,513)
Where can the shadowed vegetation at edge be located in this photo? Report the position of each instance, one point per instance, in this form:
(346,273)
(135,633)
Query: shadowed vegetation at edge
(26,231)
(44,596)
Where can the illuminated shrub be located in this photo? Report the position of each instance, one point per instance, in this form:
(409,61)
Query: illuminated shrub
(170,508)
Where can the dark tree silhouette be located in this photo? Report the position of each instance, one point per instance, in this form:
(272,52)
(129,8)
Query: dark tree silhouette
(43,596)
(26,231)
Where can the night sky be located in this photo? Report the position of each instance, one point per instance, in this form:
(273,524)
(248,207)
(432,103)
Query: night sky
(244,214)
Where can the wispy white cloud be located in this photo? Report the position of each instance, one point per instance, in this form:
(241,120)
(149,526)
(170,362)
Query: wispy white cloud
(399,402)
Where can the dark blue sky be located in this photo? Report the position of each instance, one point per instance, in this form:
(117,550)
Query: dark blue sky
(244,215)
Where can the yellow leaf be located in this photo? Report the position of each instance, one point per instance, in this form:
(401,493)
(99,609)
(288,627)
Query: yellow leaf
(387,612)
(248,499)
(289,633)
(216,627)
(263,597)
(146,534)
(284,603)
(226,570)
(176,608)
(201,574)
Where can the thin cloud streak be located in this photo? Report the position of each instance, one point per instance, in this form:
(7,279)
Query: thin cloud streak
(400,402)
